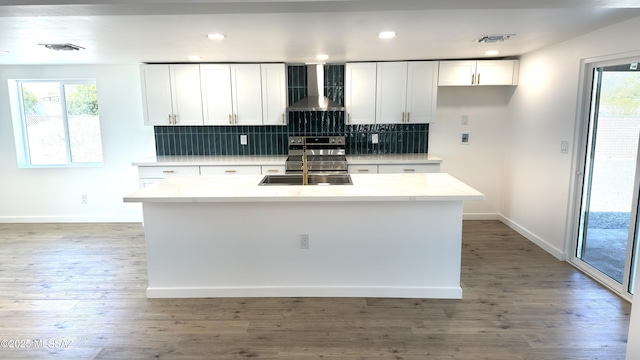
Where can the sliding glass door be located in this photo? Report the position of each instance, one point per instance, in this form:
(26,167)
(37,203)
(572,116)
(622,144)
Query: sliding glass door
(608,224)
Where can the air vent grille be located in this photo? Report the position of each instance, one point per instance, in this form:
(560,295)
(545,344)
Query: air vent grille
(63,47)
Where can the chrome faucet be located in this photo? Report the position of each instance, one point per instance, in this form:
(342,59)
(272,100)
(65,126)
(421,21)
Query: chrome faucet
(305,170)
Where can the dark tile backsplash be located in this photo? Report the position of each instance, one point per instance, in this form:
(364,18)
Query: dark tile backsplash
(272,140)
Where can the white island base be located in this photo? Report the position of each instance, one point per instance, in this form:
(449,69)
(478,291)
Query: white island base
(251,247)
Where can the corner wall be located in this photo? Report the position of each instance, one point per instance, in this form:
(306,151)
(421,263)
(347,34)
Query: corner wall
(542,112)
(53,194)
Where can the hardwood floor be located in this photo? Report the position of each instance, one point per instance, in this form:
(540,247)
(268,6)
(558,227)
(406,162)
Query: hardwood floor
(85,284)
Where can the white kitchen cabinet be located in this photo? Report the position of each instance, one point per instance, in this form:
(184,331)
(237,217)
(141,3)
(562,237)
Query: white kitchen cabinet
(244,94)
(246,90)
(408,168)
(406,92)
(151,174)
(274,94)
(171,94)
(391,92)
(360,93)
(478,73)
(273,169)
(217,102)
(231,170)
(362,169)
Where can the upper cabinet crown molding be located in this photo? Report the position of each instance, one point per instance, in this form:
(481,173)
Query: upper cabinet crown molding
(391,92)
(171,94)
(478,72)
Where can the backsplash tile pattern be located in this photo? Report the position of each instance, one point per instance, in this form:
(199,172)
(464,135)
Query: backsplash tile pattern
(272,140)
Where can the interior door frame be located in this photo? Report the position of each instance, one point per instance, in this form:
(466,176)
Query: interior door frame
(579,158)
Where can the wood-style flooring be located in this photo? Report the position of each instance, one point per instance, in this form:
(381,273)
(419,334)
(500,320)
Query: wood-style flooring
(77,291)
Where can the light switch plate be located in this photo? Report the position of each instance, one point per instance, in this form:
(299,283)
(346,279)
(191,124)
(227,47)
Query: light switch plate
(564,146)
(243,139)
(374,138)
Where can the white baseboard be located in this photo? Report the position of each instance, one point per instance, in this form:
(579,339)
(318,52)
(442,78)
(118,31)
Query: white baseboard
(557,253)
(307,291)
(70,219)
(481,216)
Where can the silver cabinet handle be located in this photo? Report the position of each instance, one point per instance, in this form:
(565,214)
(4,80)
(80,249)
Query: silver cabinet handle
(175,119)
(229,171)
(230,120)
(236,119)
(363,170)
(169,119)
(409,170)
(408,117)
(403,116)
(473,78)
(478,80)
(273,170)
(168,171)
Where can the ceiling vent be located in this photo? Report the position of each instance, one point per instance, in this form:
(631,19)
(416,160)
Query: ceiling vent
(490,39)
(63,47)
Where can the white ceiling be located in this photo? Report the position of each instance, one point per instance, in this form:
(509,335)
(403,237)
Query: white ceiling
(293,31)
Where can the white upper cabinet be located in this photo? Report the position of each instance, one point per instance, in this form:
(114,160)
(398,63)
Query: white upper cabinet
(478,73)
(274,94)
(244,94)
(360,93)
(422,91)
(171,94)
(246,90)
(391,93)
(216,94)
(406,92)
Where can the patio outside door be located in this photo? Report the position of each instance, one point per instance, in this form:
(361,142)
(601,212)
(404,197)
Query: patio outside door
(607,236)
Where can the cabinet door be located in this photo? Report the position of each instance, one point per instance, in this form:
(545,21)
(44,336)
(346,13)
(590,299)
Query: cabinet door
(363,169)
(247,94)
(457,73)
(186,94)
(156,94)
(360,93)
(391,93)
(216,94)
(422,91)
(273,169)
(498,72)
(274,94)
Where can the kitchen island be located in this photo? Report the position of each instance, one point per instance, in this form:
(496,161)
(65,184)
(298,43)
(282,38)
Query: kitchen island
(387,235)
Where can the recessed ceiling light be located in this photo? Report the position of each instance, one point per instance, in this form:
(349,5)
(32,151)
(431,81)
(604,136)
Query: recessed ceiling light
(322,57)
(216,36)
(195,58)
(491,52)
(387,35)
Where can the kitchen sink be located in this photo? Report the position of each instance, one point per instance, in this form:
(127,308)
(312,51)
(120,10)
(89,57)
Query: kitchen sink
(314,179)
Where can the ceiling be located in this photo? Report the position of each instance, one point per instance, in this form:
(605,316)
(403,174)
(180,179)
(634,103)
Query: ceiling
(292,31)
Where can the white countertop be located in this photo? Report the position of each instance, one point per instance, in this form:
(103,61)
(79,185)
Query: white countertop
(240,160)
(211,160)
(393,159)
(369,187)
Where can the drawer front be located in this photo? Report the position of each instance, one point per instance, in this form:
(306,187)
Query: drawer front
(363,169)
(408,168)
(160,172)
(231,170)
(273,169)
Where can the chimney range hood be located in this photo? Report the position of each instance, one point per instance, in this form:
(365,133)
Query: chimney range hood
(315,100)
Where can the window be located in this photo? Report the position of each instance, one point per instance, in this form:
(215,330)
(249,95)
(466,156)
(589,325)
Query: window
(56,123)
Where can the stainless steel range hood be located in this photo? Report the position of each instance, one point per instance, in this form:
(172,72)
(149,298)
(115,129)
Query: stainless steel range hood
(315,100)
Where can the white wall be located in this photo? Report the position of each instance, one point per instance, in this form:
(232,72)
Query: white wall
(53,195)
(479,163)
(542,112)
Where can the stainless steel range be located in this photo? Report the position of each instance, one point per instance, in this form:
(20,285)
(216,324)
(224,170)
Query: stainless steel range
(324,155)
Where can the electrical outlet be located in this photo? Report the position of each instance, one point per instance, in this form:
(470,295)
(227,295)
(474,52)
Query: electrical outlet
(243,139)
(465,120)
(564,146)
(374,138)
(464,138)
(83,199)
(304,241)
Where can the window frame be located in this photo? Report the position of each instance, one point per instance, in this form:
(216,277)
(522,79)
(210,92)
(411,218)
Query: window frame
(21,135)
